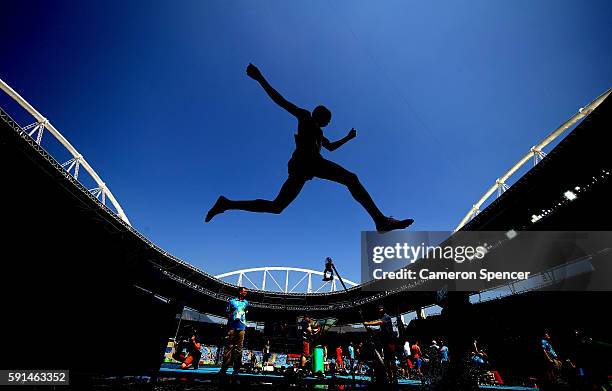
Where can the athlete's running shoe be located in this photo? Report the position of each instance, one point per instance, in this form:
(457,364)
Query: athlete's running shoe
(390,224)
(218,207)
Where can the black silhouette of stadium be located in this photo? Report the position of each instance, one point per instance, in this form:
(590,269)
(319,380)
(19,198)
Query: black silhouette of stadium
(75,275)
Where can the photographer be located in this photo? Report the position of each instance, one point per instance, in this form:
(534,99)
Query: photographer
(188,352)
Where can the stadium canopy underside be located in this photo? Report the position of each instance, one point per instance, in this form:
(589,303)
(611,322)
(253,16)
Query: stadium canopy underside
(59,227)
(74,272)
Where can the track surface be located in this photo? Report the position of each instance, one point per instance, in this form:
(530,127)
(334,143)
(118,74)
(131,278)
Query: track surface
(210,373)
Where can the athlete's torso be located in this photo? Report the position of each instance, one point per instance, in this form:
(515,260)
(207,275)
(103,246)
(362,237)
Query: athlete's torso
(309,136)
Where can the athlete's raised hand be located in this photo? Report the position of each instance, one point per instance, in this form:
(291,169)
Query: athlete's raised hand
(253,72)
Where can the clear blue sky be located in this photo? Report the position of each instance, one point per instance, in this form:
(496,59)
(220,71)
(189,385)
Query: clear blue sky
(445,96)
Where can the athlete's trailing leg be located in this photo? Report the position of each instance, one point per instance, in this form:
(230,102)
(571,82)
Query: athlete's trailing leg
(290,189)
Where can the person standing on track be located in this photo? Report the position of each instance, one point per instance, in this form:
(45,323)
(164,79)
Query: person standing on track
(351,357)
(339,360)
(388,338)
(310,330)
(236,323)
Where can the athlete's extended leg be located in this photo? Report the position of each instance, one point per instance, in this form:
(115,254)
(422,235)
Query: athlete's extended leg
(331,171)
(290,189)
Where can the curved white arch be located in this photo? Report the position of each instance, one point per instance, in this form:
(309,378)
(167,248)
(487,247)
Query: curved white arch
(536,153)
(265,274)
(77,159)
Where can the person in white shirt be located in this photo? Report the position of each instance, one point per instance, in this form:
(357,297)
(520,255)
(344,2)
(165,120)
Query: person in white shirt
(406,349)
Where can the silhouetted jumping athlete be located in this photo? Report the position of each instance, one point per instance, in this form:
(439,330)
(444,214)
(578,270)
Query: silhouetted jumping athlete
(306,163)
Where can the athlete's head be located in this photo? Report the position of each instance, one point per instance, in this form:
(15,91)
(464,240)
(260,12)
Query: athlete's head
(321,115)
(242,292)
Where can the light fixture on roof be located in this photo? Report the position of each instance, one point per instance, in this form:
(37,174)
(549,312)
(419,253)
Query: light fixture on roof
(511,234)
(570,195)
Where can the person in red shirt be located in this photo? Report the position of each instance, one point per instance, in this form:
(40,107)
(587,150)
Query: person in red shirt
(310,331)
(416,356)
(193,354)
(339,363)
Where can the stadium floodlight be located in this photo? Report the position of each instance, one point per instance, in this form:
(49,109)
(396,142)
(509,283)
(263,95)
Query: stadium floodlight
(570,195)
(328,273)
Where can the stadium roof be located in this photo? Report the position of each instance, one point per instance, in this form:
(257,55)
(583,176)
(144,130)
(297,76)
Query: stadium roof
(62,229)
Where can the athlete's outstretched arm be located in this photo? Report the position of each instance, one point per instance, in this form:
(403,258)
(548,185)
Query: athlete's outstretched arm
(254,73)
(332,146)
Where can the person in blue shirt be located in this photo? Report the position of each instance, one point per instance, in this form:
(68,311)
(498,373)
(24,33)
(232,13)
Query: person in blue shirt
(479,356)
(351,357)
(236,324)
(547,346)
(443,353)
(552,363)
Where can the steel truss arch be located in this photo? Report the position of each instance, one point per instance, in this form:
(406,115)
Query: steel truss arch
(536,153)
(36,130)
(267,279)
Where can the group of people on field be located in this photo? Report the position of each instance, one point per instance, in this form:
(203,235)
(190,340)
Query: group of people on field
(398,357)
